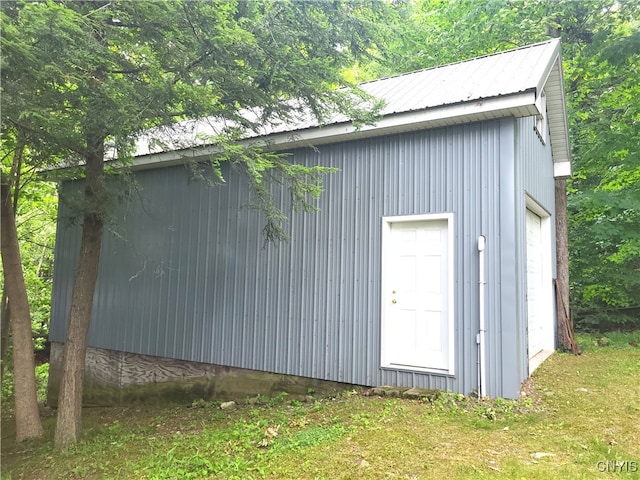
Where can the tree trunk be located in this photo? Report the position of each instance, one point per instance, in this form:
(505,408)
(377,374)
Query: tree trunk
(565,330)
(69,417)
(4,332)
(14,185)
(28,424)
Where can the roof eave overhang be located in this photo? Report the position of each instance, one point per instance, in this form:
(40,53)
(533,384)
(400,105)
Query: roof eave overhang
(552,82)
(557,118)
(515,105)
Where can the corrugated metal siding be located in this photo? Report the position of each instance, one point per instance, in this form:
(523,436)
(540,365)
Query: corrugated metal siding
(533,177)
(535,166)
(504,345)
(188,277)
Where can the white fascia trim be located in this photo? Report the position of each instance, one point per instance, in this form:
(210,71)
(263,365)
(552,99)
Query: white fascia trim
(551,65)
(557,117)
(448,216)
(174,157)
(404,122)
(562,169)
(518,105)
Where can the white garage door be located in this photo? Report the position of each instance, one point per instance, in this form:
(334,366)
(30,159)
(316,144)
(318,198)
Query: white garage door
(535,286)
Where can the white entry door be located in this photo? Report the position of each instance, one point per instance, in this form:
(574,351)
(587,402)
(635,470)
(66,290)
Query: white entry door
(416,322)
(535,285)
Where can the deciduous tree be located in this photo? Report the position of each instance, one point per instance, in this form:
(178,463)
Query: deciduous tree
(604,195)
(28,424)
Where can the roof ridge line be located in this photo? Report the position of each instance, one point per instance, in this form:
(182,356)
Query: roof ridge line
(473,59)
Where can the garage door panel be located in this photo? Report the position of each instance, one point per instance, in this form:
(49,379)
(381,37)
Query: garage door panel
(535,285)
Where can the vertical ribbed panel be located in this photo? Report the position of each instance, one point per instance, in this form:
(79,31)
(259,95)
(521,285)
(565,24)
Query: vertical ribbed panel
(534,178)
(525,169)
(535,166)
(188,275)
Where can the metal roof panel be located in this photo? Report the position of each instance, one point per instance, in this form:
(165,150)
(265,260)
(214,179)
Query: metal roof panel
(505,73)
(476,82)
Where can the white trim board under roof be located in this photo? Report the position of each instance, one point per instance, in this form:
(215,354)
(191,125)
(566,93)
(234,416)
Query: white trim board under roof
(494,86)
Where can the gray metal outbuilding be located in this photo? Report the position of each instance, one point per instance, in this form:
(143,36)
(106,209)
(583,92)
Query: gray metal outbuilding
(440,220)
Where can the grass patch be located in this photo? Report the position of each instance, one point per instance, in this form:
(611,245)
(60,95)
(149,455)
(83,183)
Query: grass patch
(578,411)
(620,340)
(42,376)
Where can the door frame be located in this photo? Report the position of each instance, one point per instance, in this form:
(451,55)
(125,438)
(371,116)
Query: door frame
(386,242)
(546,309)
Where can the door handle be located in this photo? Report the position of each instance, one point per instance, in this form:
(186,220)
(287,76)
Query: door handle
(394,301)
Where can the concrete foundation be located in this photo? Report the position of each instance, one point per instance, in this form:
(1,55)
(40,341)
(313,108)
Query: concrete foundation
(119,378)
